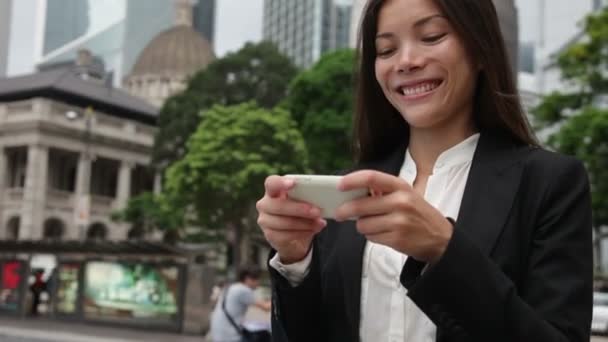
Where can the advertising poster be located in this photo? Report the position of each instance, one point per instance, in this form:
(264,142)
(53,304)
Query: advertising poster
(11,280)
(66,295)
(139,292)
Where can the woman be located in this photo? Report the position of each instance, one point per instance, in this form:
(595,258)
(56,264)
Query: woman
(474,232)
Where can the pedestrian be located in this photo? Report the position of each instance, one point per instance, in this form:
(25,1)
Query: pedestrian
(475,232)
(216,291)
(234,301)
(36,288)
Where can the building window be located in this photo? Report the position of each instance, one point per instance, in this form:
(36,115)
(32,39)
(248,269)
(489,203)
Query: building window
(136,234)
(53,229)
(12,228)
(17,165)
(62,170)
(97,231)
(104,177)
(142,180)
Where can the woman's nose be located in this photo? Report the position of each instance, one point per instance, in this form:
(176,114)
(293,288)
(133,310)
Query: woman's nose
(410,59)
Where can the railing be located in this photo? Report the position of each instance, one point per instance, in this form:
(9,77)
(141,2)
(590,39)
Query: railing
(59,199)
(14,194)
(101,204)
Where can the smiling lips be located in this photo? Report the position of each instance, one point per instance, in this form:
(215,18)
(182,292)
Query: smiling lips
(419,89)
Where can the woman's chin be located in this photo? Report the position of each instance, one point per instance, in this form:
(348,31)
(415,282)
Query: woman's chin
(420,120)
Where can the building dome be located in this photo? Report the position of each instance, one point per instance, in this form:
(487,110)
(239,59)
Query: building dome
(179,50)
(165,64)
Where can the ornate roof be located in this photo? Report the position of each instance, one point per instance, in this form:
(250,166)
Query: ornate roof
(64,84)
(177,51)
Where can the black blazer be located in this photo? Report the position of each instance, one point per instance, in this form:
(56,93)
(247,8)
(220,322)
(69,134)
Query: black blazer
(519,266)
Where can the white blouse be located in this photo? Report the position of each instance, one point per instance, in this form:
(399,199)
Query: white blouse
(387,314)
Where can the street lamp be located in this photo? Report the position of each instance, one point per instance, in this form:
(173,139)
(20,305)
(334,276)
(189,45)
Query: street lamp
(83,199)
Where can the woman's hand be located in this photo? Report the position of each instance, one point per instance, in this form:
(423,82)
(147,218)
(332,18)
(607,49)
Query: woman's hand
(398,218)
(289,226)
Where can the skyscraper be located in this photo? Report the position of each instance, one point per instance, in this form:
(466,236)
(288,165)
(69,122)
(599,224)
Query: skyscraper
(71,25)
(509,25)
(114,30)
(66,20)
(305,29)
(5,26)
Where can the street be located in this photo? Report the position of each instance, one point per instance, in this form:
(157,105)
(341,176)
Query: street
(599,339)
(46,330)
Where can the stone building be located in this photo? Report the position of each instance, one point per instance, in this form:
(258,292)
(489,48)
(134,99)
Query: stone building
(165,64)
(72,150)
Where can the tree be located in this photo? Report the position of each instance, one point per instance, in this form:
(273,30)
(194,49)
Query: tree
(230,154)
(149,212)
(582,123)
(256,72)
(321,101)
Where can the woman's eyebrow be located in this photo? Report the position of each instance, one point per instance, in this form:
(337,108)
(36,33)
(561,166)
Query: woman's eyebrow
(425,20)
(418,23)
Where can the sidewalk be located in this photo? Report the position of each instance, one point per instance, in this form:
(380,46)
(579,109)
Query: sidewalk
(43,330)
(47,330)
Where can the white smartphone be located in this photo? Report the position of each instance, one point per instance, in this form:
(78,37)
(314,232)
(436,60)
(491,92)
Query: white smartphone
(322,191)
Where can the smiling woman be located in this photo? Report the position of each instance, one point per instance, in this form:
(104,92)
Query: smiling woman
(474,233)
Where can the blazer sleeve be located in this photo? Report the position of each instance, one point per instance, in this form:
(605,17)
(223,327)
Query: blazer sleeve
(554,301)
(296,311)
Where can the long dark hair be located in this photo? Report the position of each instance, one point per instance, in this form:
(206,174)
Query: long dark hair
(379,128)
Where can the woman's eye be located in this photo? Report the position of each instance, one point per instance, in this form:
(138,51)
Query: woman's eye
(384,52)
(433,38)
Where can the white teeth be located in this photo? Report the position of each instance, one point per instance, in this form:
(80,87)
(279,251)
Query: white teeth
(421,88)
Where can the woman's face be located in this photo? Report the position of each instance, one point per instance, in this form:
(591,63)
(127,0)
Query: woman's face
(422,65)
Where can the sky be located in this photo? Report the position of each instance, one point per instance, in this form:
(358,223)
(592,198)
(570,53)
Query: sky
(236,22)
(239,21)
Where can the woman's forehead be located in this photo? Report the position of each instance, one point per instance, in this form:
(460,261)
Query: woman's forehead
(407,12)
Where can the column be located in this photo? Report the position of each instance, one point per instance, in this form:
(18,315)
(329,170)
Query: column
(3,168)
(82,200)
(123,191)
(158,183)
(34,196)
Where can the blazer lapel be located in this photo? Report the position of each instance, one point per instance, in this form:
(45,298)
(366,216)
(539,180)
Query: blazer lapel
(352,246)
(491,187)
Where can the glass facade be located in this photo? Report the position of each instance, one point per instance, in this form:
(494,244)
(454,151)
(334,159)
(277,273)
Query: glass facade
(66,20)
(114,30)
(305,29)
(5,27)
(95,25)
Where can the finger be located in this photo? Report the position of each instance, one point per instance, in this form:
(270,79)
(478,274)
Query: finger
(290,224)
(277,185)
(374,225)
(279,239)
(373,180)
(384,238)
(287,207)
(373,206)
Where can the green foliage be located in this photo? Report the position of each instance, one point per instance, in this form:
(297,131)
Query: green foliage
(321,101)
(556,106)
(585,63)
(149,212)
(586,136)
(257,72)
(583,128)
(231,153)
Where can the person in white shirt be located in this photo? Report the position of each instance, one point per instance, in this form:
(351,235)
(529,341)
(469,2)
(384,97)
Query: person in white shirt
(473,232)
(227,318)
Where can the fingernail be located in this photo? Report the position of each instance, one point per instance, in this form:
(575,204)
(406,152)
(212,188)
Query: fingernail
(315,212)
(288,182)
